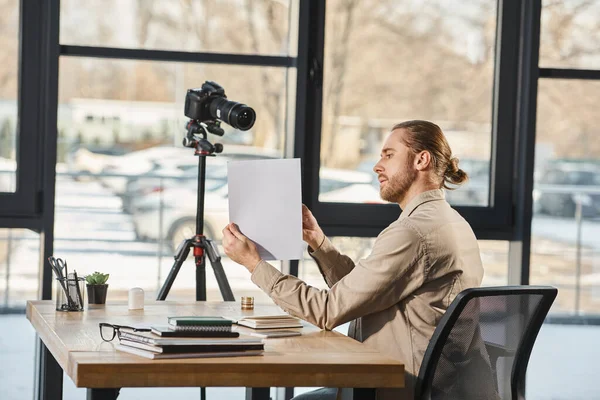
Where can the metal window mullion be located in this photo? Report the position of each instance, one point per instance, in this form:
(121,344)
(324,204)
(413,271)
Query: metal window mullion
(49,375)
(48,98)
(520,250)
(177,56)
(311,40)
(569,73)
(309,96)
(502,163)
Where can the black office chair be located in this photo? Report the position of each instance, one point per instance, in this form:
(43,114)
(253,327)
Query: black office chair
(481,346)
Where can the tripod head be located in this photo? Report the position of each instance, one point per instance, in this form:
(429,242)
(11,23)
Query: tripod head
(196,137)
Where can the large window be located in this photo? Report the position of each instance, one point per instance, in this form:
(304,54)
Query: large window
(121,124)
(19,282)
(400,60)
(122,169)
(565,251)
(9,59)
(564,245)
(125,188)
(564,240)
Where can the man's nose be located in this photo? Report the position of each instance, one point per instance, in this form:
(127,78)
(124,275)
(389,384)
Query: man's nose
(378,168)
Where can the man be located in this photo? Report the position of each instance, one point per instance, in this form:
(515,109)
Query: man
(418,264)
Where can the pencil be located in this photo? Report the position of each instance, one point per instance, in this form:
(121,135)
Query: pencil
(79,297)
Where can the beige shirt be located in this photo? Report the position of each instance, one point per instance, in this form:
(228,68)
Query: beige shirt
(418,264)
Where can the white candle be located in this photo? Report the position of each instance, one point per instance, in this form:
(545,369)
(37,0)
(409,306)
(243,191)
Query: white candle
(136,298)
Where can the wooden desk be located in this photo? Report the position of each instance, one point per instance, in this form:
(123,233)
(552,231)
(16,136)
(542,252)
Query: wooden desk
(317,358)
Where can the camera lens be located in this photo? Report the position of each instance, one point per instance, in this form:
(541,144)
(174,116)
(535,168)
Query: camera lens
(243,116)
(238,115)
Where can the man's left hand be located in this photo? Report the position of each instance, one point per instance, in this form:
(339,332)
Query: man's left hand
(239,248)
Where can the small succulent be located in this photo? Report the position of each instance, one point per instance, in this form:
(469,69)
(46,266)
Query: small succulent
(96,278)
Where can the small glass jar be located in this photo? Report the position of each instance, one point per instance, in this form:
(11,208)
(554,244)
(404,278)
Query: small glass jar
(70,293)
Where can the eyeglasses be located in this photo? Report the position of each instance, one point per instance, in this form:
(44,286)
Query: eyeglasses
(109,331)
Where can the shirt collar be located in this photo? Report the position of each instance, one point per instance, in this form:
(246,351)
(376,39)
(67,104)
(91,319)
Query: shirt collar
(430,195)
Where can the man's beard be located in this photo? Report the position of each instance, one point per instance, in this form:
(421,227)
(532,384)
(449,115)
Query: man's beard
(396,187)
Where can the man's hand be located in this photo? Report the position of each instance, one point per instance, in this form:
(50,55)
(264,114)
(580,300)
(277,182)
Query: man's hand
(311,231)
(239,248)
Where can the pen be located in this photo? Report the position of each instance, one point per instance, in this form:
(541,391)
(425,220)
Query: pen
(70,301)
(66,270)
(79,297)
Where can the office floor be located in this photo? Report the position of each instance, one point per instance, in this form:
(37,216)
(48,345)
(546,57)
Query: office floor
(562,367)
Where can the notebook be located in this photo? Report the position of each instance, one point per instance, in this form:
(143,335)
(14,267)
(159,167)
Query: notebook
(168,331)
(150,338)
(200,323)
(211,348)
(159,356)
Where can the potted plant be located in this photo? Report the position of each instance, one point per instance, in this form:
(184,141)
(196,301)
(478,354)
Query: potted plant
(97,287)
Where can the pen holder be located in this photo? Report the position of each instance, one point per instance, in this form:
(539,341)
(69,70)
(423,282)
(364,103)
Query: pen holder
(70,294)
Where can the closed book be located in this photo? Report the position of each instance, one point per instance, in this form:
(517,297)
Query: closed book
(150,338)
(200,321)
(168,349)
(168,331)
(160,356)
(270,321)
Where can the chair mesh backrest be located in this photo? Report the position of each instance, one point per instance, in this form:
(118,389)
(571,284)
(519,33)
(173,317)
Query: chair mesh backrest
(477,358)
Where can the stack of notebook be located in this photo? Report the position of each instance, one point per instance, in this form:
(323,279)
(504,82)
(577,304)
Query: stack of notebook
(189,337)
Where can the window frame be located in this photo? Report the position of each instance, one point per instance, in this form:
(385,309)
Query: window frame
(22,208)
(537,74)
(494,222)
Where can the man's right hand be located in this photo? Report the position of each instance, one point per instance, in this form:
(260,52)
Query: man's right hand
(311,231)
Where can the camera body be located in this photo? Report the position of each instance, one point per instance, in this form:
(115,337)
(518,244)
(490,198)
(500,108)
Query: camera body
(209,104)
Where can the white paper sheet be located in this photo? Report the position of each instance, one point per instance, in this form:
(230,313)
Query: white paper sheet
(265,201)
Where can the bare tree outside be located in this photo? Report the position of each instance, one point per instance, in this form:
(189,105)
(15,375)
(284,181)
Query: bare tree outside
(570,38)
(257,27)
(401,59)
(9,64)
(405,60)
(9,49)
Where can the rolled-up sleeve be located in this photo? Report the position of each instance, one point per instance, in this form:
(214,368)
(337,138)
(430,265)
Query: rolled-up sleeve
(393,270)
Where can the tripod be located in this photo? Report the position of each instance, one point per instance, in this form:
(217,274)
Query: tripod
(200,243)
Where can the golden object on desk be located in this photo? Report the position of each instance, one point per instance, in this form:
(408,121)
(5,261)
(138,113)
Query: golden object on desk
(247,303)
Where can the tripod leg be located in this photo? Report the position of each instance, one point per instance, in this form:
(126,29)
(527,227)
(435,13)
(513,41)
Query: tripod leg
(222,280)
(215,261)
(201,278)
(180,257)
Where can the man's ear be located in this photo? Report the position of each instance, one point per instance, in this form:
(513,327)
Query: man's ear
(422,160)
